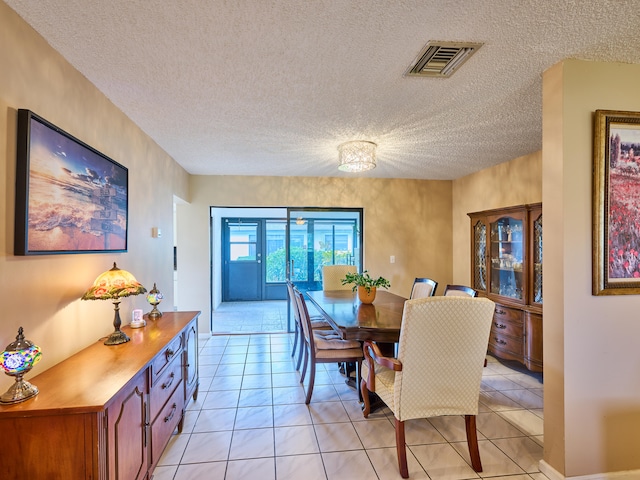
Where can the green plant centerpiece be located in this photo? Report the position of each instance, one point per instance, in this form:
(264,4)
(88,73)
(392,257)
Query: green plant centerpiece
(365,285)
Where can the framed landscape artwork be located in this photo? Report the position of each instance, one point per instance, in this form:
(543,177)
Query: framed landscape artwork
(70,198)
(616,203)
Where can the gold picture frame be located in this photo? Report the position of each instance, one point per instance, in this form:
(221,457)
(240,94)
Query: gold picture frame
(616,203)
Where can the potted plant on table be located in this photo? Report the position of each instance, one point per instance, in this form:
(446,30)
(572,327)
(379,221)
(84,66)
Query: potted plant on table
(365,285)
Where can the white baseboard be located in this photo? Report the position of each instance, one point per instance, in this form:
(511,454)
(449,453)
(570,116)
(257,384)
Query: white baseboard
(553,474)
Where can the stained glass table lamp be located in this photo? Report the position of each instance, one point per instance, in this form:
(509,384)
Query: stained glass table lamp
(17,359)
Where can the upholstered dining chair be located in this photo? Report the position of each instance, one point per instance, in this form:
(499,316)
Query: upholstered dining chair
(332,276)
(317,322)
(423,287)
(324,347)
(438,370)
(459,290)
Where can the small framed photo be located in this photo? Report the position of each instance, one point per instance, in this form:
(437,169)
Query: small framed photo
(137,319)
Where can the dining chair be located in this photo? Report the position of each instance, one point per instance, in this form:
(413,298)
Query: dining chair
(324,347)
(423,287)
(317,322)
(459,290)
(438,369)
(332,276)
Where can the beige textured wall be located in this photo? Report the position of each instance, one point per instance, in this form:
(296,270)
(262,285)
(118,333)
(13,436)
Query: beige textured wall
(42,293)
(553,334)
(592,363)
(410,219)
(511,183)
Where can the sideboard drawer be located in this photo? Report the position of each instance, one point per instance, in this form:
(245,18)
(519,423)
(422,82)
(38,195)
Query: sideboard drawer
(165,386)
(165,424)
(502,327)
(506,343)
(504,314)
(170,352)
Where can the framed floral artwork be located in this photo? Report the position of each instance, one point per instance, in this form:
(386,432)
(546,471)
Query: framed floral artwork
(616,203)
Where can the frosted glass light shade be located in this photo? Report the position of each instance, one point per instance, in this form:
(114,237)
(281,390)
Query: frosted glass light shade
(357,156)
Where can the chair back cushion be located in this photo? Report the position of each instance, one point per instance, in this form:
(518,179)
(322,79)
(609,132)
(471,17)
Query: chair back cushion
(423,287)
(459,291)
(332,276)
(443,343)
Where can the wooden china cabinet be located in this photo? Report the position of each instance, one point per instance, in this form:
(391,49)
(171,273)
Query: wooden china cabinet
(506,266)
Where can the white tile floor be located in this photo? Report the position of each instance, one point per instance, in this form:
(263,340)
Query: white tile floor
(250,317)
(250,422)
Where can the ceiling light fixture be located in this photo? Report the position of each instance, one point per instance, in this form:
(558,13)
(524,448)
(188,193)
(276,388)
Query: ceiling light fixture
(357,156)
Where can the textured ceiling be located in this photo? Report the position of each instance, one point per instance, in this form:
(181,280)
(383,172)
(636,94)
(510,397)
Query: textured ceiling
(258,87)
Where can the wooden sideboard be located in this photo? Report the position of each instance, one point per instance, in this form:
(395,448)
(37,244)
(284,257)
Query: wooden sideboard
(107,412)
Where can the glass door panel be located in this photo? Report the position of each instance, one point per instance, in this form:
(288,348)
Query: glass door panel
(480,256)
(507,258)
(537,260)
(319,237)
(275,251)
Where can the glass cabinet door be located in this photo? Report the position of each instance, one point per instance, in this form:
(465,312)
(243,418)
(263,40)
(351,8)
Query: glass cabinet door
(507,257)
(480,256)
(536,256)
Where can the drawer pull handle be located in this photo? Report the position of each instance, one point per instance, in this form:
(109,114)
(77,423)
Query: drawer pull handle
(500,311)
(169,353)
(170,416)
(501,342)
(501,326)
(170,382)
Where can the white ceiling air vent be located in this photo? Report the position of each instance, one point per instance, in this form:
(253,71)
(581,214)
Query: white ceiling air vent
(441,59)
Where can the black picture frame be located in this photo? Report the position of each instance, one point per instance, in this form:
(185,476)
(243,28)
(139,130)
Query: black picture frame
(70,198)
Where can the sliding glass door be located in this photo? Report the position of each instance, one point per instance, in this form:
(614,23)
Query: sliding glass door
(318,237)
(260,248)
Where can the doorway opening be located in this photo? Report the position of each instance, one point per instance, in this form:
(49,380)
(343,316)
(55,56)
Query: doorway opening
(255,250)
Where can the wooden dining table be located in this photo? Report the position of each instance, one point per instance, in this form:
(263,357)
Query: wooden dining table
(379,321)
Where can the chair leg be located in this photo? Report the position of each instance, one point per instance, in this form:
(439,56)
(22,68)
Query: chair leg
(303,346)
(472,442)
(359,379)
(296,334)
(312,378)
(305,361)
(401,449)
(364,392)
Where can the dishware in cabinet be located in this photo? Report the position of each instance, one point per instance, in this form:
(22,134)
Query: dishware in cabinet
(507,256)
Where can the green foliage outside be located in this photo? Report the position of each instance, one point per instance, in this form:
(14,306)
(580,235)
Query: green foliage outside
(276,263)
